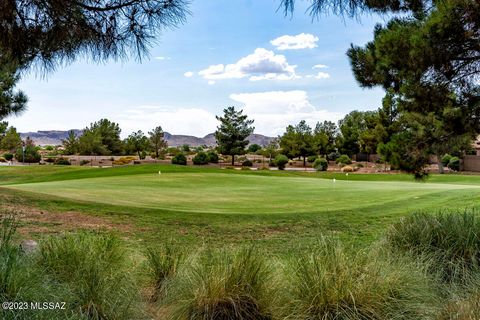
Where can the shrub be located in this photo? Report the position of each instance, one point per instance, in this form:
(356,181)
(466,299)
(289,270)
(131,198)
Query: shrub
(320,164)
(348,169)
(343,160)
(223,286)
(212,157)
(333,156)
(143,155)
(62,162)
(179,159)
(247,163)
(331,284)
(245,168)
(311,159)
(445,159)
(452,240)
(454,164)
(84,162)
(200,158)
(8,156)
(229,168)
(93,267)
(123,161)
(280,161)
(2,159)
(162,265)
(49,159)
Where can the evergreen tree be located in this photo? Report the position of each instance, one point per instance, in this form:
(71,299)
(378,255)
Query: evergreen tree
(71,143)
(11,141)
(298,141)
(232,134)
(157,140)
(12,102)
(137,142)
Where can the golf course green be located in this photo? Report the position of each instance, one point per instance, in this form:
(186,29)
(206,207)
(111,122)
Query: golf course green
(282,210)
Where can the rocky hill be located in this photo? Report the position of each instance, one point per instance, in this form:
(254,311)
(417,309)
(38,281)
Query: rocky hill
(55,137)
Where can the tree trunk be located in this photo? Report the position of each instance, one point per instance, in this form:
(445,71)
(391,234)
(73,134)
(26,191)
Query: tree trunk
(138,151)
(440,165)
(304,162)
(233,160)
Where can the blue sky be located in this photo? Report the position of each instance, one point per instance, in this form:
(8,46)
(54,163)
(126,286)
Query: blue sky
(237,52)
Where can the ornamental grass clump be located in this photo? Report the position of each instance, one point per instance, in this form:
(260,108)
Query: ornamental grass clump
(93,268)
(452,240)
(222,285)
(332,284)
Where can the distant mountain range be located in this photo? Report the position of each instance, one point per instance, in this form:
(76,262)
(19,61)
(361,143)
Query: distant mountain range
(55,137)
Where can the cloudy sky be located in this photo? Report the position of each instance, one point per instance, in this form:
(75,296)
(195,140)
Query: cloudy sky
(245,53)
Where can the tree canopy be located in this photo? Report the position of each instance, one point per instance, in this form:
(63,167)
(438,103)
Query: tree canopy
(52,32)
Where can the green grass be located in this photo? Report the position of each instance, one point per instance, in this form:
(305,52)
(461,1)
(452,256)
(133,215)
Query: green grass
(280,211)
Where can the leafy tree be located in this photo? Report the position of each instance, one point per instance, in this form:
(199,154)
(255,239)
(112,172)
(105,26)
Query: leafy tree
(253,148)
(324,136)
(90,143)
(101,138)
(137,142)
(157,140)
(352,127)
(298,141)
(29,154)
(11,141)
(232,134)
(71,143)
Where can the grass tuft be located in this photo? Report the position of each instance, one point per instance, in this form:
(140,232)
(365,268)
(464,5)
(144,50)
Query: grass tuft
(452,240)
(332,284)
(93,268)
(223,286)
(162,265)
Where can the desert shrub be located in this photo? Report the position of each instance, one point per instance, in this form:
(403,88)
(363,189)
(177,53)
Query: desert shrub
(359,165)
(348,169)
(84,162)
(212,157)
(246,168)
(331,283)
(343,160)
(320,164)
(454,164)
(49,159)
(247,163)
(162,265)
(62,162)
(446,159)
(123,161)
(311,159)
(8,156)
(93,267)
(452,240)
(180,159)
(2,159)
(200,158)
(173,151)
(223,286)
(280,161)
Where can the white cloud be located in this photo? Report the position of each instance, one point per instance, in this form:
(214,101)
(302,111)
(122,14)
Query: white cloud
(320,75)
(188,74)
(300,41)
(211,82)
(190,121)
(320,66)
(273,111)
(261,65)
(162,58)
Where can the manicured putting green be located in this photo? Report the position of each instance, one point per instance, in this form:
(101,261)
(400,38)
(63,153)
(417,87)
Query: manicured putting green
(221,192)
